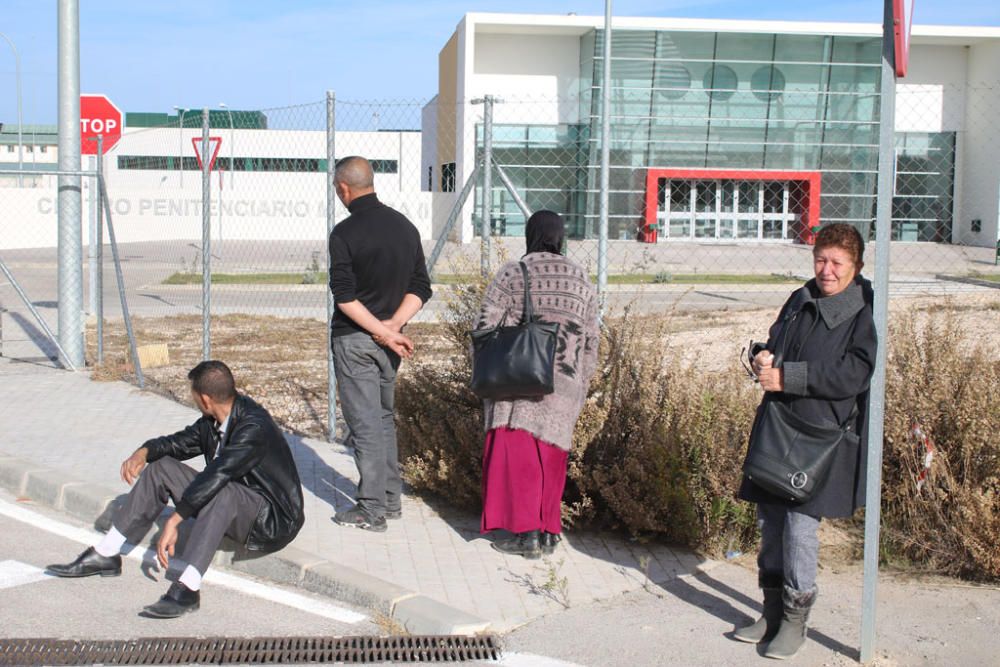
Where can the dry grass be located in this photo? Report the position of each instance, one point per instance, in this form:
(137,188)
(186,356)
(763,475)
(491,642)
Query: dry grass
(659,443)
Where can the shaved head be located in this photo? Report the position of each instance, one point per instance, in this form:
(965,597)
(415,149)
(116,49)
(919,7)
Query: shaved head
(355,172)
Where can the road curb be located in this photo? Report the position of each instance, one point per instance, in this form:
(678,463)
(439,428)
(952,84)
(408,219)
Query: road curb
(89,502)
(968,280)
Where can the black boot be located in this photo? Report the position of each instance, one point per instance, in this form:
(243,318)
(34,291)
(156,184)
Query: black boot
(792,633)
(549,542)
(521,544)
(766,627)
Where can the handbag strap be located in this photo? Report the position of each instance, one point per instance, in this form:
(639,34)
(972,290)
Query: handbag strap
(527,312)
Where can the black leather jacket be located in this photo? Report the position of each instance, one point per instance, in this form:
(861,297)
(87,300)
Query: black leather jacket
(254,454)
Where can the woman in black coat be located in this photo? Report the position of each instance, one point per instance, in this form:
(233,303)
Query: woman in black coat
(825,343)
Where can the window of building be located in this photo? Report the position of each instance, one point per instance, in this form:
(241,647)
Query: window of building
(430,178)
(924,201)
(10,148)
(385,166)
(43,148)
(448,177)
(282,164)
(720,82)
(767,83)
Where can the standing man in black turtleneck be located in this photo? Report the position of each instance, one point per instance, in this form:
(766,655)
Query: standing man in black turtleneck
(379,282)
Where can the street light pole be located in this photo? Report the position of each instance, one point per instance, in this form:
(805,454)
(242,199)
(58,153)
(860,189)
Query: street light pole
(232,142)
(180,143)
(231,161)
(20,120)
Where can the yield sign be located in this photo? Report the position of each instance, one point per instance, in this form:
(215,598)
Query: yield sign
(213,149)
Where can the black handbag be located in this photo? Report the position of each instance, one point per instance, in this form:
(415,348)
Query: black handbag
(789,456)
(510,362)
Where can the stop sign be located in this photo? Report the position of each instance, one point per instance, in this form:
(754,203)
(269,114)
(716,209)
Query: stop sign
(98,116)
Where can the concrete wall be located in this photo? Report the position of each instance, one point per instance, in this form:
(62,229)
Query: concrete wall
(156,205)
(932,96)
(428,147)
(530,72)
(979,192)
(447,103)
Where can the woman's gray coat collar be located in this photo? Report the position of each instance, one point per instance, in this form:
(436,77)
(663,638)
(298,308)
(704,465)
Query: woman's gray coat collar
(839,308)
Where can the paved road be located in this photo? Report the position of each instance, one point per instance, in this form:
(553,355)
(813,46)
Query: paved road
(33,604)
(686,622)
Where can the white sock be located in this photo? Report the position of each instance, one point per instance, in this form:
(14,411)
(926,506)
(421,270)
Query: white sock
(111,545)
(191,578)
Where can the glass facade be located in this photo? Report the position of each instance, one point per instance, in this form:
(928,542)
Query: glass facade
(725,101)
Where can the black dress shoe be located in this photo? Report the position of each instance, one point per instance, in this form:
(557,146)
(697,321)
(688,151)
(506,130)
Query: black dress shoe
(178,601)
(548,542)
(88,564)
(522,544)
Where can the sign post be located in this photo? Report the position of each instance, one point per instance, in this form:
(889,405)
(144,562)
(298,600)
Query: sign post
(895,51)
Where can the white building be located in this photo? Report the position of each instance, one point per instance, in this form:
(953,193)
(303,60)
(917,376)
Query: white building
(266,184)
(721,130)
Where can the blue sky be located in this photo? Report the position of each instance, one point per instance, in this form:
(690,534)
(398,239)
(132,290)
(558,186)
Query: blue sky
(150,56)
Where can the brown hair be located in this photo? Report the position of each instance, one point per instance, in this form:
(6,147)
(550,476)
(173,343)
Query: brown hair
(842,235)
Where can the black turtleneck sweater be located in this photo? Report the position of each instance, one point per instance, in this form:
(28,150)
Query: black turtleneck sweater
(375,258)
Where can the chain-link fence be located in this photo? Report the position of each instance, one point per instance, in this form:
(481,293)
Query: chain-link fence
(715,195)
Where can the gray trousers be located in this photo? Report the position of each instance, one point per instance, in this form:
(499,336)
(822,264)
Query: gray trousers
(231,512)
(366,383)
(789,552)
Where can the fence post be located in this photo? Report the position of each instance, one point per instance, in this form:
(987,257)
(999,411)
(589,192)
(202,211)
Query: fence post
(487,194)
(69,197)
(602,225)
(93,206)
(120,279)
(876,412)
(331,201)
(206,240)
(99,241)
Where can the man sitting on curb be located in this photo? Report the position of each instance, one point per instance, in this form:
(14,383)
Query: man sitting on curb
(249,490)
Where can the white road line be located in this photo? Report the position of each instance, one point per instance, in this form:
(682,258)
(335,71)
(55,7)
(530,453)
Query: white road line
(15,573)
(532,660)
(224,579)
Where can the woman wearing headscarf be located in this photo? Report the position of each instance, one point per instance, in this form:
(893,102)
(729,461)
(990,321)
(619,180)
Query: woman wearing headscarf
(528,440)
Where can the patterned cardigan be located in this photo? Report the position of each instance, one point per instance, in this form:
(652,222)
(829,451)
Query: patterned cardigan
(560,292)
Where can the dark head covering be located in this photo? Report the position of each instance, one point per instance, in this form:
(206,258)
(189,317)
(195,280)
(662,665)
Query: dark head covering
(545,232)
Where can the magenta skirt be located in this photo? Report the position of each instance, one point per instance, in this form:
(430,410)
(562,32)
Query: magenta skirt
(523,482)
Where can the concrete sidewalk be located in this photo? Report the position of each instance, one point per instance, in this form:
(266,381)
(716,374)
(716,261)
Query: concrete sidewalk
(63,437)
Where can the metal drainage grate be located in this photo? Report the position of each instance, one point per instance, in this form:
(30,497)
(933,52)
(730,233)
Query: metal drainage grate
(250,650)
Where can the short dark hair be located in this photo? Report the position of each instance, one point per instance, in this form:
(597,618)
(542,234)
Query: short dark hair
(354,171)
(842,235)
(213,378)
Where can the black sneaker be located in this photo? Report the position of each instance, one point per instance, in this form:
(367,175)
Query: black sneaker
(359,518)
(392,515)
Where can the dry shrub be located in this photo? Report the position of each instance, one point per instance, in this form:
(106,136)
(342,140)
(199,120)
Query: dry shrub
(438,419)
(934,379)
(660,444)
(657,448)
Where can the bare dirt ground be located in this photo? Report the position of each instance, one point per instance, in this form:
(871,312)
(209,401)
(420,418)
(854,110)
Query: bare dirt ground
(282,361)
